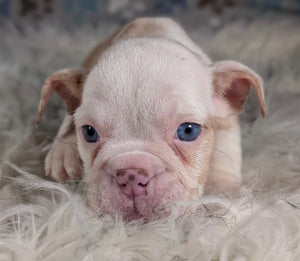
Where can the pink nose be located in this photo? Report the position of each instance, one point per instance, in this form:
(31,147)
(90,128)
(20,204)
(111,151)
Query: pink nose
(133,182)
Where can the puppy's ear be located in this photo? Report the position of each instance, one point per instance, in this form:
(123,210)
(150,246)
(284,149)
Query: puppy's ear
(68,84)
(232,82)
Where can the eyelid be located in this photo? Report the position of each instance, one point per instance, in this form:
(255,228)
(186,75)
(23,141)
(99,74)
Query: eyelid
(90,139)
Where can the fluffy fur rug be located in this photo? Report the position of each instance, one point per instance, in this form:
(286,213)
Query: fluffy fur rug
(44,220)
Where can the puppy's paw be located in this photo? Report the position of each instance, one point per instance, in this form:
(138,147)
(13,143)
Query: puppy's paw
(63,161)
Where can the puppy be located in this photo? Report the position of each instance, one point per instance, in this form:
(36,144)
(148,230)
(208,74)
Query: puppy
(150,120)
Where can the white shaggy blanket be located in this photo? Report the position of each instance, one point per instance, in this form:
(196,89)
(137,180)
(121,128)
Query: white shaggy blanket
(43,220)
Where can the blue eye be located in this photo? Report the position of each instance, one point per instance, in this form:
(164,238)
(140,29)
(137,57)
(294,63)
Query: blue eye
(89,133)
(188,131)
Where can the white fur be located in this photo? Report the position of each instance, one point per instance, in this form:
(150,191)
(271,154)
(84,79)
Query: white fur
(137,95)
(150,80)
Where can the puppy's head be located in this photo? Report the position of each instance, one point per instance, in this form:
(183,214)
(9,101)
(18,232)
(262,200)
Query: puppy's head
(144,122)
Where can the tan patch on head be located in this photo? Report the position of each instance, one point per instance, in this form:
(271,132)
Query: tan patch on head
(94,55)
(142,27)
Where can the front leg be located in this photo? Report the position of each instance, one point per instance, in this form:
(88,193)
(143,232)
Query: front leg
(63,161)
(225,173)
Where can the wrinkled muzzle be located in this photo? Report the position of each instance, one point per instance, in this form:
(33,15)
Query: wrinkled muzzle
(135,184)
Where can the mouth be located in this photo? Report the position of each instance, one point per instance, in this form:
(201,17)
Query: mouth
(153,202)
(146,208)
(145,214)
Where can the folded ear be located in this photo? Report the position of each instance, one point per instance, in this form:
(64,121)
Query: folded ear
(232,82)
(68,84)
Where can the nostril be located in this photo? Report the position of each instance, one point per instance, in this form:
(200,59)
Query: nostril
(143,185)
(132,181)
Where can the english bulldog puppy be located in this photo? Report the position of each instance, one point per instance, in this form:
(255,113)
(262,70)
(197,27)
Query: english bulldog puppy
(151,120)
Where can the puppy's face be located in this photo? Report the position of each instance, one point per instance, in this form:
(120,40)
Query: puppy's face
(143,127)
(144,121)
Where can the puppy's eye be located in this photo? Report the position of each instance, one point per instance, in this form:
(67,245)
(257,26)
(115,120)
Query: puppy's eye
(188,131)
(89,133)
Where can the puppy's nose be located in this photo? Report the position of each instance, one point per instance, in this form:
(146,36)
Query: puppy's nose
(132,182)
